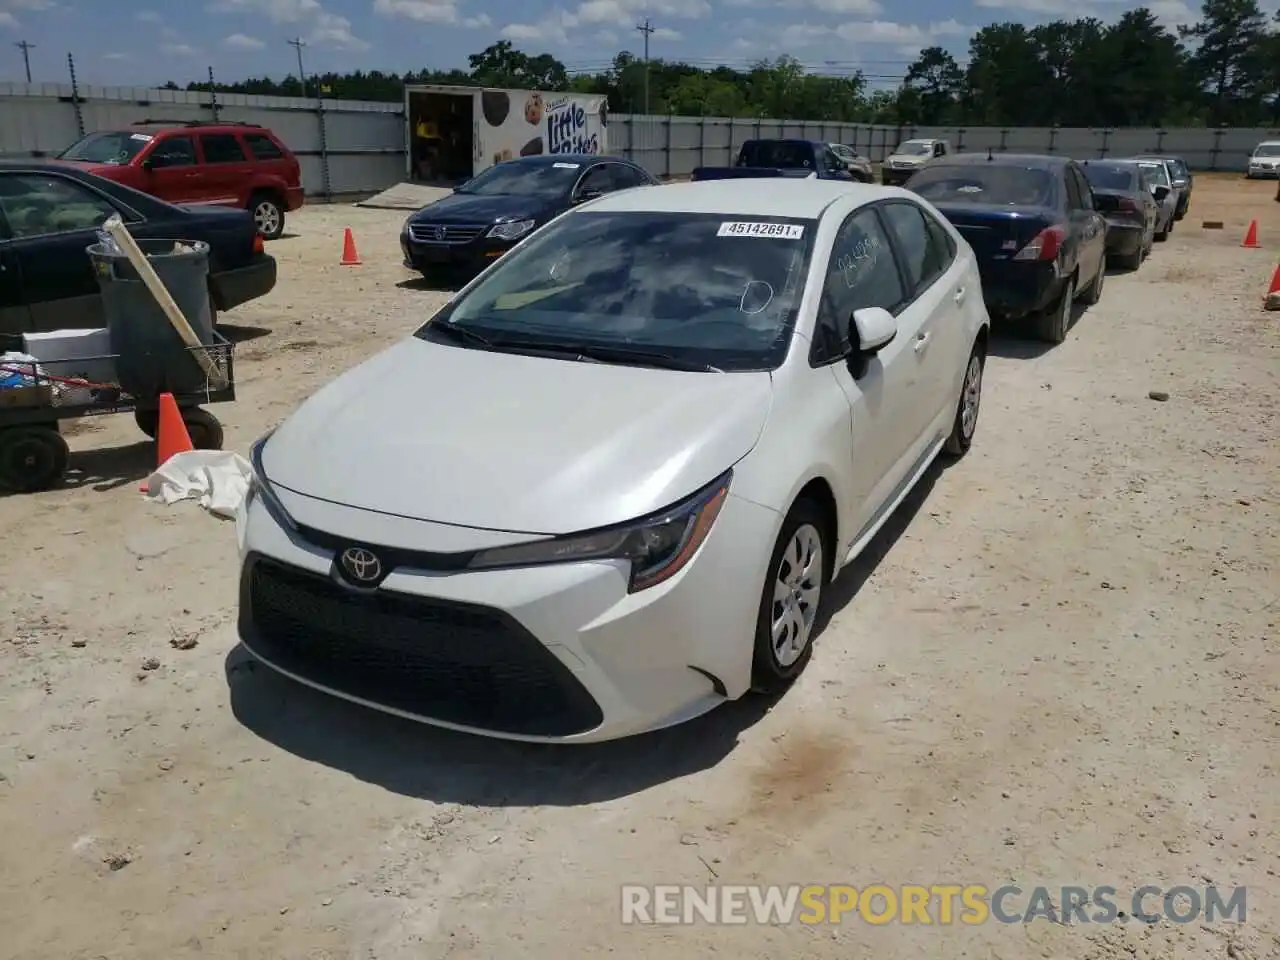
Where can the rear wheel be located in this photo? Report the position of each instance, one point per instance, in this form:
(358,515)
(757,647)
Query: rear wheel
(1052,324)
(1132,261)
(204,429)
(1094,293)
(268,215)
(32,458)
(966,421)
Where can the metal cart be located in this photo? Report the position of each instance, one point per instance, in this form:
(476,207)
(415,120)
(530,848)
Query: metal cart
(33,453)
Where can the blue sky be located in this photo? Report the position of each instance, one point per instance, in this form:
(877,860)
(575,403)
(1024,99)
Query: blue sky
(144,42)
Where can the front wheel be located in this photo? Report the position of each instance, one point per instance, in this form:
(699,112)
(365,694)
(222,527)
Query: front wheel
(268,216)
(32,458)
(966,421)
(792,597)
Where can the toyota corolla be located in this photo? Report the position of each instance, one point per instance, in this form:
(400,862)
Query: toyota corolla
(605,488)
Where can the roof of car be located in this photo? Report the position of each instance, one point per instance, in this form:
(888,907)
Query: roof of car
(1033,160)
(785,197)
(548,159)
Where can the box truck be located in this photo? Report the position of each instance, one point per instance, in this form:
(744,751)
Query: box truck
(457,132)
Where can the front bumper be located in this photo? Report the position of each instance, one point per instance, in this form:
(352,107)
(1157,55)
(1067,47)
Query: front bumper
(897,177)
(1259,172)
(294,198)
(470,257)
(230,288)
(555,653)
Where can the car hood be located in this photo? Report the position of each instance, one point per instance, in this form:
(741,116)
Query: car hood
(108,170)
(907,158)
(461,207)
(516,443)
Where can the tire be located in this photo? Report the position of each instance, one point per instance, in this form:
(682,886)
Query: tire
(268,215)
(1094,292)
(1160,236)
(1051,325)
(966,421)
(204,429)
(775,665)
(32,458)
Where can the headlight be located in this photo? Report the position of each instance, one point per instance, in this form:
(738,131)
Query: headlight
(511,231)
(260,487)
(658,547)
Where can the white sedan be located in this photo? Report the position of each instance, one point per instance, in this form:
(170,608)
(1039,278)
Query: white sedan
(605,488)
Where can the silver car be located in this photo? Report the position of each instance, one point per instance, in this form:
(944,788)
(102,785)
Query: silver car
(1159,175)
(1265,161)
(857,164)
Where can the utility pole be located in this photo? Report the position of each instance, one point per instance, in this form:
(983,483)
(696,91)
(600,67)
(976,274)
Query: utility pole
(26,49)
(298,43)
(646,29)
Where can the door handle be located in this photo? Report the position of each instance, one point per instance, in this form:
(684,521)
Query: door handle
(960,295)
(922,340)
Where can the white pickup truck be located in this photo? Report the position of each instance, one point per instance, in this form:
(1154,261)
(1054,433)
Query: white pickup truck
(909,157)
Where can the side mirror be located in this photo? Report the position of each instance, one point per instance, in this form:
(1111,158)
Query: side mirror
(872,329)
(1160,192)
(586,195)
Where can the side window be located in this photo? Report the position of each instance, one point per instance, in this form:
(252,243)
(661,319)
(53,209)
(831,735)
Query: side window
(623,176)
(173,152)
(262,147)
(941,239)
(939,149)
(36,205)
(861,273)
(831,160)
(596,180)
(923,259)
(221,148)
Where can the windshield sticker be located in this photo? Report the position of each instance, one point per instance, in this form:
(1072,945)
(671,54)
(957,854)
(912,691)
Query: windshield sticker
(566,166)
(141,136)
(744,228)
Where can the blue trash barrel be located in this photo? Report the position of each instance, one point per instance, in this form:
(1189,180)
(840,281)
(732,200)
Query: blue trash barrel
(151,356)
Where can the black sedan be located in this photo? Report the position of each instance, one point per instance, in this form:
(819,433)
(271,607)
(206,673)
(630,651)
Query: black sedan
(488,215)
(1034,228)
(49,213)
(1129,207)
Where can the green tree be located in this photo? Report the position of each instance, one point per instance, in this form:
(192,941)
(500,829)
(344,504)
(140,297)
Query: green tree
(1229,35)
(931,91)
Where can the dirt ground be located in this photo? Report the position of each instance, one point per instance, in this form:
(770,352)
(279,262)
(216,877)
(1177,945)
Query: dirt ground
(1059,665)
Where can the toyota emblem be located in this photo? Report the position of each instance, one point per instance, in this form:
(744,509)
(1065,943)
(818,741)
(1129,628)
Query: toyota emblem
(439,233)
(361,565)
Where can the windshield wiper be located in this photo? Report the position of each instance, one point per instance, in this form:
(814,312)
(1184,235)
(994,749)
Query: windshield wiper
(459,334)
(596,353)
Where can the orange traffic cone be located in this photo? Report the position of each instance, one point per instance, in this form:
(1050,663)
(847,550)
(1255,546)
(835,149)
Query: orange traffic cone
(1272,300)
(1251,236)
(171,434)
(350,258)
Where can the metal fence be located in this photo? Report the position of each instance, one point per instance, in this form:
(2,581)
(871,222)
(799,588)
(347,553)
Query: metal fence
(351,146)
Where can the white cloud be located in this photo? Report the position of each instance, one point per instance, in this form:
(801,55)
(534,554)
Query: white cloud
(628,12)
(240,41)
(901,34)
(1055,8)
(430,11)
(552,28)
(147,16)
(1173,13)
(331,30)
(170,49)
(797,35)
(859,8)
(278,11)
(665,33)
(8,20)
(116,56)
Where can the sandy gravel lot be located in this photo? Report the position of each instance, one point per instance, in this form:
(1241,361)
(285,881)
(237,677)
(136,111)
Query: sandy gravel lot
(1059,665)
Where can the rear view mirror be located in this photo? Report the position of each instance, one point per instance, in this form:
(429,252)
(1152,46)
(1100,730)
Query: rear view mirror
(873,328)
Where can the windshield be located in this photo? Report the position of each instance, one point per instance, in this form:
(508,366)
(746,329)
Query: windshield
(1111,178)
(1159,173)
(988,184)
(784,154)
(914,148)
(700,288)
(112,147)
(524,180)
(1267,150)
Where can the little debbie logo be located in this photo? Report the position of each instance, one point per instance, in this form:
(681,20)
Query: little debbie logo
(938,904)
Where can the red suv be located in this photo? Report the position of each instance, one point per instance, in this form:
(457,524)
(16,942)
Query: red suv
(227,164)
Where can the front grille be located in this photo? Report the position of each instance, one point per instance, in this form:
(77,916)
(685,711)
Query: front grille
(451,233)
(447,661)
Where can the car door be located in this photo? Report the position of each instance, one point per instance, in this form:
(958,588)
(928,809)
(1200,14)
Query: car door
(172,171)
(15,316)
(861,272)
(1079,249)
(936,288)
(225,169)
(51,220)
(1094,226)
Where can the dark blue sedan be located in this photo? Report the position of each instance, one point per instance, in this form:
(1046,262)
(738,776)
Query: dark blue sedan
(488,215)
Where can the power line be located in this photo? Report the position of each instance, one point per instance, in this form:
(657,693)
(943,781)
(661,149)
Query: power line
(26,49)
(298,43)
(646,29)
